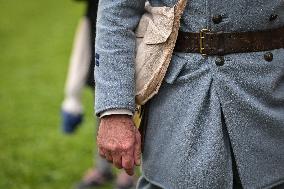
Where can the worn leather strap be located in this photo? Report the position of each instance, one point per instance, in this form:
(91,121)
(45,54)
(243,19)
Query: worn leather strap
(221,43)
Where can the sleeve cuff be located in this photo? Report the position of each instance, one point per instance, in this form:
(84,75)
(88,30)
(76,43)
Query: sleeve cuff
(115,112)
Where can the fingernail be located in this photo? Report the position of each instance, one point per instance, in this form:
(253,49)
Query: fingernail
(130,172)
(139,162)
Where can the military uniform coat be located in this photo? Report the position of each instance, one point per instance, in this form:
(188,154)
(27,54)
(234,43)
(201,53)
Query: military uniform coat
(187,143)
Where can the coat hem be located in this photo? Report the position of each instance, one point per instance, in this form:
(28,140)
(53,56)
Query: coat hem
(281,181)
(274,184)
(153,182)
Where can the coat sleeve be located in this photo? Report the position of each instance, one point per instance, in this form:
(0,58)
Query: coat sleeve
(115,53)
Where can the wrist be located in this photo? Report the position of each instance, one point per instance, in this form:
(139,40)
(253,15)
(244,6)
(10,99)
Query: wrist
(116,121)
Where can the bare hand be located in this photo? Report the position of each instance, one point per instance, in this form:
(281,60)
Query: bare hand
(119,141)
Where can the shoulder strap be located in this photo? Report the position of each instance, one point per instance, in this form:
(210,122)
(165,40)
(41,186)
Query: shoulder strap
(179,7)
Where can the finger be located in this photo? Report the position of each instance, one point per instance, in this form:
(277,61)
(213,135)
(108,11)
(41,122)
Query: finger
(128,161)
(108,156)
(117,160)
(101,153)
(137,149)
(129,171)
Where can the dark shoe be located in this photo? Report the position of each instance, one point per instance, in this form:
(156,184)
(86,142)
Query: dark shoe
(70,121)
(124,181)
(94,178)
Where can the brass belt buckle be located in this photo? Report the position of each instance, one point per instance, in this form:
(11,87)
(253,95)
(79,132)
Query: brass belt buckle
(202,39)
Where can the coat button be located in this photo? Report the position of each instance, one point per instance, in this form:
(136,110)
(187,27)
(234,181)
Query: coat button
(268,56)
(220,61)
(217,19)
(273,17)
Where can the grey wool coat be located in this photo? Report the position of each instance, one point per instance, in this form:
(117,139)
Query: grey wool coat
(205,112)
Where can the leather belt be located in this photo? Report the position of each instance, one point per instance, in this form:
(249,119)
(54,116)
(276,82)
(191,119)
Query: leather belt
(221,43)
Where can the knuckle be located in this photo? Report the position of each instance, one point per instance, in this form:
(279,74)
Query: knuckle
(127,145)
(138,154)
(114,147)
(111,146)
(117,165)
(138,145)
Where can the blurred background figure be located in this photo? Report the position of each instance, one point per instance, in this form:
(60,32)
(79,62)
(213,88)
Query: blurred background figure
(80,74)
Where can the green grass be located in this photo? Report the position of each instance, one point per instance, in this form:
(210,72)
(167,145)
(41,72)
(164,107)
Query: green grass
(35,44)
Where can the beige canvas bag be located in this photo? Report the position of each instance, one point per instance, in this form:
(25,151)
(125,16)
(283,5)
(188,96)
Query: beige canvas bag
(156,36)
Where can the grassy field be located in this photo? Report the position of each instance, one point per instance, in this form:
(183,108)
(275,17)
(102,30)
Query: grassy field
(36,39)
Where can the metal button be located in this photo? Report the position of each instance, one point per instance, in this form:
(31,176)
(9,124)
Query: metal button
(273,17)
(268,56)
(220,61)
(217,19)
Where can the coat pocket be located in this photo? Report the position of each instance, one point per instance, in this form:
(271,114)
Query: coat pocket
(185,67)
